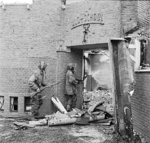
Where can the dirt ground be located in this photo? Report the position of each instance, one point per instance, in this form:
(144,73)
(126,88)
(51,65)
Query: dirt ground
(93,133)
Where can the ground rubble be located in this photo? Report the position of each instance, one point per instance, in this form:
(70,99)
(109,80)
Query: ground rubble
(92,133)
(97,107)
(91,124)
(94,123)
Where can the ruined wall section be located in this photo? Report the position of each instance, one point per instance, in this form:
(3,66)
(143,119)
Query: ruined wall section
(27,37)
(104,20)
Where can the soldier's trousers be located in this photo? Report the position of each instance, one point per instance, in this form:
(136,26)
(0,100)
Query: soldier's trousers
(36,103)
(71,101)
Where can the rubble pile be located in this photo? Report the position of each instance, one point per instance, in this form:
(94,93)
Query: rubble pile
(97,107)
(102,99)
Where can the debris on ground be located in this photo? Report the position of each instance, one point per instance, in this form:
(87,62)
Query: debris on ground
(41,122)
(55,134)
(76,112)
(59,105)
(94,112)
(60,119)
(22,126)
(63,119)
(99,100)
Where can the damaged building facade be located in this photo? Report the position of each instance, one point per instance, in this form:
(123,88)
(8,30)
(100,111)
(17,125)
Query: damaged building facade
(78,31)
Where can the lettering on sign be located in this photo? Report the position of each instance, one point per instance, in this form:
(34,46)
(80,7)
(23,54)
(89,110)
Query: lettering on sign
(88,18)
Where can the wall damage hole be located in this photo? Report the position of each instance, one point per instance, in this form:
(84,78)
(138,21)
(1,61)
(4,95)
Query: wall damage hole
(13,104)
(1,103)
(27,104)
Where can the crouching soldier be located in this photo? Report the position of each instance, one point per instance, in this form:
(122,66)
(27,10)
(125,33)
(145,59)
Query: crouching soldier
(70,87)
(36,83)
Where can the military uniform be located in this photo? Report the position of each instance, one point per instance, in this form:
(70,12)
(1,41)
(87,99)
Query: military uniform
(70,88)
(36,82)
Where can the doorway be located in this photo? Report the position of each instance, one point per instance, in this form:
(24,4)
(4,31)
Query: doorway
(96,66)
(97,74)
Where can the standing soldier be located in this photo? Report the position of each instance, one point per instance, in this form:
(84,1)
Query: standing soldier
(71,91)
(36,82)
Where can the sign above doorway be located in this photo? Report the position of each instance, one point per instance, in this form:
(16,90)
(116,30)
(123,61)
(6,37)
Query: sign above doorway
(87,18)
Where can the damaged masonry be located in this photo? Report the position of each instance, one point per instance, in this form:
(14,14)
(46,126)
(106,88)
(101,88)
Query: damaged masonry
(74,71)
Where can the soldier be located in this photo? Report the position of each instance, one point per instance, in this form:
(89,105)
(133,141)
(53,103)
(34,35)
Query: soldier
(71,91)
(36,82)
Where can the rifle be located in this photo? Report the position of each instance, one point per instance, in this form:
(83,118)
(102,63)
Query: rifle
(79,80)
(34,93)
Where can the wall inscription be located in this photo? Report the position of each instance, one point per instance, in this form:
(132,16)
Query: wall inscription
(88,18)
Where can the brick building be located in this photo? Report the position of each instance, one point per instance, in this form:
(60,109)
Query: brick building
(43,30)
(141,98)
(27,37)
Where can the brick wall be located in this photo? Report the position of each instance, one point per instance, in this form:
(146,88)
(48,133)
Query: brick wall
(143,12)
(27,37)
(141,98)
(141,104)
(128,15)
(110,11)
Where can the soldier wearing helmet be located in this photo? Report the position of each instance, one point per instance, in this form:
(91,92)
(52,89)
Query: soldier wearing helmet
(36,82)
(70,87)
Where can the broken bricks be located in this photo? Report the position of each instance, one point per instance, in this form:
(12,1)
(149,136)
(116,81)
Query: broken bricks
(63,119)
(95,113)
(100,100)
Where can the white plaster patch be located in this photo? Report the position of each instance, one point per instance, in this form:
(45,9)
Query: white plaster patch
(73,1)
(10,2)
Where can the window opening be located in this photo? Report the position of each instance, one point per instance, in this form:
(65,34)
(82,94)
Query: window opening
(27,104)
(13,104)
(1,103)
(143,61)
(138,53)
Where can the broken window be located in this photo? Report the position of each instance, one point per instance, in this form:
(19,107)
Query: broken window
(27,104)
(13,104)
(1,103)
(144,48)
(138,49)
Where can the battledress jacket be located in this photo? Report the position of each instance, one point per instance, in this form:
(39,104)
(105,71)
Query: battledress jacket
(71,83)
(37,80)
